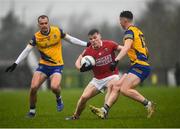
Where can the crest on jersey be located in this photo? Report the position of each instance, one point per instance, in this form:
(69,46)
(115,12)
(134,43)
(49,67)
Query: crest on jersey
(48,37)
(106,49)
(100,54)
(55,36)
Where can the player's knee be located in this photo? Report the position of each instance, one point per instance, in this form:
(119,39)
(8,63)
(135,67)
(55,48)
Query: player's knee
(55,88)
(124,90)
(33,89)
(35,85)
(115,88)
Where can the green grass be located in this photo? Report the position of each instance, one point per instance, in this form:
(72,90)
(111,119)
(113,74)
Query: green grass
(125,113)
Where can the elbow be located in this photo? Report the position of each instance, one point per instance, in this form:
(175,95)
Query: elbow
(77,65)
(126,49)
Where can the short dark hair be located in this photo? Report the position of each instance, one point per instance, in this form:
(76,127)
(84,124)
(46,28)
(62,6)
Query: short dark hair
(93,31)
(43,16)
(127,14)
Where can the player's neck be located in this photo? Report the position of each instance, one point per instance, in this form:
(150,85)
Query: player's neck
(97,47)
(45,32)
(129,25)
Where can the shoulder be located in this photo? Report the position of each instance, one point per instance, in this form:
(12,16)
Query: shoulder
(134,29)
(38,33)
(129,33)
(88,50)
(55,29)
(109,43)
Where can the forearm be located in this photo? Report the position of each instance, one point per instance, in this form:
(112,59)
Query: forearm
(78,62)
(120,47)
(24,54)
(74,40)
(124,49)
(121,54)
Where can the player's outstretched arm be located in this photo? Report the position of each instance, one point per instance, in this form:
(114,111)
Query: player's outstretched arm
(74,40)
(21,57)
(127,45)
(124,49)
(120,47)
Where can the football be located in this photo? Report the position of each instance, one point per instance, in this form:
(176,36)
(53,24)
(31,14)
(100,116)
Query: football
(89,60)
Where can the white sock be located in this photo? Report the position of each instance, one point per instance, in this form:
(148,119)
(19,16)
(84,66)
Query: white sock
(32,111)
(149,104)
(104,110)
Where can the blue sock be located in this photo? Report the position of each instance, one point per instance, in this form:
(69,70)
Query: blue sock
(58,99)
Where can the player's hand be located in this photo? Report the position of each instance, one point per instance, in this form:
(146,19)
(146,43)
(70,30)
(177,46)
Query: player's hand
(11,68)
(88,44)
(113,65)
(85,68)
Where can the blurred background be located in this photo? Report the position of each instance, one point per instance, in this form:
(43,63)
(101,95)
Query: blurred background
(158,19)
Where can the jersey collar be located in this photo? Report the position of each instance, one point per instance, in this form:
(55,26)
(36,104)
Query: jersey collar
(47,33)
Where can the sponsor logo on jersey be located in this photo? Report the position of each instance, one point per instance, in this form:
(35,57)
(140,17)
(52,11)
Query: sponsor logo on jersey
(104,60)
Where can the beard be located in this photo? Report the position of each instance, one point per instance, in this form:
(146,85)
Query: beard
(45,30)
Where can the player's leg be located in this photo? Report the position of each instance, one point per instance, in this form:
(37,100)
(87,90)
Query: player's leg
(128,89)
(37,80)
(110,86)
(109,89)
(56,89)
(55,74)
(89,92)
(115,91)
(111,98)
(103,112)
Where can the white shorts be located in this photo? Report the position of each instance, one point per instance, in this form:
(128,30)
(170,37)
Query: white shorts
(101,84)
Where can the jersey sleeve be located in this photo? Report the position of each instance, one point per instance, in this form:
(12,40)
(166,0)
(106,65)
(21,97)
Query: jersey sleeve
(85,52)
(33,41)
(129,34)
(62,33)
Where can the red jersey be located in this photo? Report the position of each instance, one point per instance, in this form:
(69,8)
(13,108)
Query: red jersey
(103,56)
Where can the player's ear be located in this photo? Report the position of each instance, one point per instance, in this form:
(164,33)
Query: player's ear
(38,24)
(100,36)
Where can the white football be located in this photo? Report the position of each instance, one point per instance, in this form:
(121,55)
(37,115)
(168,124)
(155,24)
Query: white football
(89,60)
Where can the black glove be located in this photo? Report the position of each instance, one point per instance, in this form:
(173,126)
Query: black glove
(85,68)
(113,65)
(11,68)
(88,44)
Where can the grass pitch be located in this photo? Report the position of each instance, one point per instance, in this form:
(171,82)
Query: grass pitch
(125,113)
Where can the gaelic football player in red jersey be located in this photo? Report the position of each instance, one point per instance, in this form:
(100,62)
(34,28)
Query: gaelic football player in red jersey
(103,51)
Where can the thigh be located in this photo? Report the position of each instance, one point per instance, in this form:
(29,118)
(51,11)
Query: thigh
(55,79)
(102,84)
(37,79)
(110,83)
(120,81)
(90,91)
(130,81)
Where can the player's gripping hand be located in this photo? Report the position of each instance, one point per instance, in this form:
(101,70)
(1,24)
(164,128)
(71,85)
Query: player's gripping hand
(113,65)
(11,68)
(85,67)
